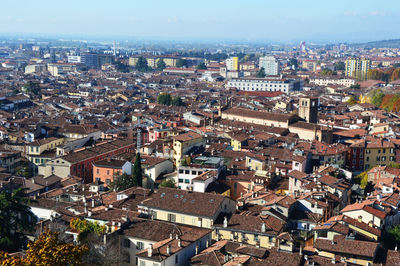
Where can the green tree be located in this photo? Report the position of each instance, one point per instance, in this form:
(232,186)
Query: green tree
(352,100)
(177,101)
(137,170)
(141,64)
(392,237)
(261,73)
(339,66)
(355,86)
(15,217)
(164,99)
(85,228)
(122,182)
(202,66)
(181,63)
(327,72)
(293,62)
(121,67)
(32,87)
(167,183)
(161,64)
(377,98)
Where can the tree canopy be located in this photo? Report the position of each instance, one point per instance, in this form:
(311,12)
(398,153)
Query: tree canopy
(48,250)
(137,170)
(338,66)
(167,99)
(122,182)
(164,99)
(141,64)
(328,72)
(293,62)
(181,63)
(15,217)
(161,64)
(167,183)
(85,228)
(261,73)
(32,87)
(202,65)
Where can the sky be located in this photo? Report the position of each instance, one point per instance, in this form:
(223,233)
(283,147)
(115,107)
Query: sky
(242,20)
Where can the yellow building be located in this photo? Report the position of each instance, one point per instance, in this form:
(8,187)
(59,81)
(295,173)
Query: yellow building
(251,230)
(183,143)
(186,207)
(170,61)
(43,150)
(379,152)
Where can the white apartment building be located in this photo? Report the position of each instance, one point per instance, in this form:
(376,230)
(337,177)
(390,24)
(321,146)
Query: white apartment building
(76,59)
(346,82)
(270,65)
(265,84)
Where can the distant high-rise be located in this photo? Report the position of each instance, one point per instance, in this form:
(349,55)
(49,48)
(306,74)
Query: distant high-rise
(358,68)
(308,109)
(232,63)
(90,60)
(270,65)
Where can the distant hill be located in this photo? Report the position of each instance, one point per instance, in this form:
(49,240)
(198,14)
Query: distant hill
(379,44)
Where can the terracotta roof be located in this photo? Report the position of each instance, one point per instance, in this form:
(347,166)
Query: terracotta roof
(340,245)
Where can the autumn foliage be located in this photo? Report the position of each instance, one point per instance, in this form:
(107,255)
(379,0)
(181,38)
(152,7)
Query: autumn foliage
(48,250)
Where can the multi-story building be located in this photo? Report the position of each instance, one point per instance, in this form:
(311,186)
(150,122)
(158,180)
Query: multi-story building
(60,69)
(325,81)
(90,60)
(106,170)
(200,165)
(80,163)
(35,68)
(310,65)
(186,207)
(184,143)
(266,84)
(76,59)
(270,65)
(232,63)
(357,68)
(379,152)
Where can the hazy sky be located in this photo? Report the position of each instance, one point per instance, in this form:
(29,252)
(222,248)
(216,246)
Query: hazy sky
(279,20)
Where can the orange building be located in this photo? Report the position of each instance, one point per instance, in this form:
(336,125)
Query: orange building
(106,170)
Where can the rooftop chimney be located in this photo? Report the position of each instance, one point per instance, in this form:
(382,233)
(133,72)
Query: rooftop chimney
(169,249)
(179,243)
(197,250)
(263,229)
(150,251)
(225,222)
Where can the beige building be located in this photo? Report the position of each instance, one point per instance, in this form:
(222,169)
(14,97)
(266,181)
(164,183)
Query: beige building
(186,207)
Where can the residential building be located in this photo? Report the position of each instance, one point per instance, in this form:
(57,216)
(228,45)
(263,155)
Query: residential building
(357,68)
(270,65)
(232,63)
(108,169)
(184,144)
(266,84)
(186,207)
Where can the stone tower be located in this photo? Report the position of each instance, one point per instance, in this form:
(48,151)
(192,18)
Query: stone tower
(308,109)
